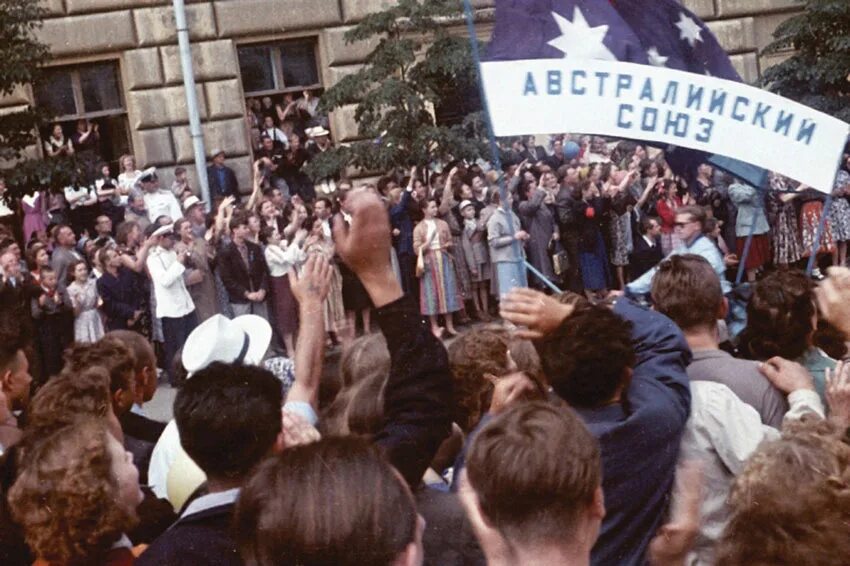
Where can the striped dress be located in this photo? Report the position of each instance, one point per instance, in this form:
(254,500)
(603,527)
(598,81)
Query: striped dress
(438,292)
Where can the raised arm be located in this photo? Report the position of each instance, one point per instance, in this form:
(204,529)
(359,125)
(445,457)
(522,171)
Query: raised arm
(310,290)
(417,398)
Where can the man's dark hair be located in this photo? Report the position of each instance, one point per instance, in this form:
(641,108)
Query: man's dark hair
(646,224)
(586,359)
(13,337)
(325,200)
(687,289)
(239,219)
(534,469)
(229,416)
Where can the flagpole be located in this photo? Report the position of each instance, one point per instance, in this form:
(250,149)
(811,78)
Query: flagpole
(810,266)
(517,276)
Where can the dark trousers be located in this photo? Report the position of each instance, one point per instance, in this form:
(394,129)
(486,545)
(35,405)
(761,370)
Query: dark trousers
(55,333)
(174,332)
(569,239)
(407,267)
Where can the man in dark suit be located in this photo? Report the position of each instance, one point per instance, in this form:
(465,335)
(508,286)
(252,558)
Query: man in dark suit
(229,418)
(647,248)
(533,152)
(221,178)
(243,271)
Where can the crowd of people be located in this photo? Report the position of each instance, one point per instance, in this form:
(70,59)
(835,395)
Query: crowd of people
(573,426)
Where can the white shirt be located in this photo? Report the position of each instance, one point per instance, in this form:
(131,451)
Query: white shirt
(172,297)
(277,135)
(281,261)
(162,203)
(650,241)
(722,432)
(84,195)
(211,500)
(4,206)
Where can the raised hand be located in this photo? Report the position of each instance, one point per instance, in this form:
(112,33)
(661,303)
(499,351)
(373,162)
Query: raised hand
(538,313)
(838,392)
(312,286)
(365,245)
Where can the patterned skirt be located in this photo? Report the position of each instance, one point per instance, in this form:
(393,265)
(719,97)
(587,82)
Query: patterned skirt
(786,239)
(438,292)
(620,239)
(464,278)
(839,217)
(810,216)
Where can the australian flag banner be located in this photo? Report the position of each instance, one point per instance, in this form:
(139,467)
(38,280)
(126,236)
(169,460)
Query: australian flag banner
(660,33)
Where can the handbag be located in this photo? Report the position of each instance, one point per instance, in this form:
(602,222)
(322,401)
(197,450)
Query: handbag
(420,263)
(560,259)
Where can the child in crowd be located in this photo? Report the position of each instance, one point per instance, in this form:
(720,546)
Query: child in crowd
(54,323)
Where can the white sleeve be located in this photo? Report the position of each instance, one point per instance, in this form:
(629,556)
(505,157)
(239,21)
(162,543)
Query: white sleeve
(162,457)
(302,409)
(803,401)
(735,428)
(163,276)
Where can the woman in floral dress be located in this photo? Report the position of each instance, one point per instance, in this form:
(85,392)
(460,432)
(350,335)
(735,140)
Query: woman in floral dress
(839,217)
(787,248)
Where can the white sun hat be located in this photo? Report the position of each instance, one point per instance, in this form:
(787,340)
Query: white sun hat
(243,339)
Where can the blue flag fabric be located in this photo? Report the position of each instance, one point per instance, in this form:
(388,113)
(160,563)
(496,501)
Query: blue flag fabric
(649,32)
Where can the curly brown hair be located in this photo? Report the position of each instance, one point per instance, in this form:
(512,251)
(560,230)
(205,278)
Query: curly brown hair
(472,355)
(67,398)
(779,316)
(66,499)
(812,527)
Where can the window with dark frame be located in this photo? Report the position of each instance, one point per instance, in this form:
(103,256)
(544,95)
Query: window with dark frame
(277,68)
(278,72)
(92,92)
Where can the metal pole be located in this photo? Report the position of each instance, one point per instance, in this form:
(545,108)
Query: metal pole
(192,101)
(517,276)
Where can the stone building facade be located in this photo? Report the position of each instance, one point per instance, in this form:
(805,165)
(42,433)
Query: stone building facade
(117,62)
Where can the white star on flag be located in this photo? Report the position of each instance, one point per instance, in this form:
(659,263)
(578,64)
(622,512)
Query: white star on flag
(656,59)
(689,30)
(580,41)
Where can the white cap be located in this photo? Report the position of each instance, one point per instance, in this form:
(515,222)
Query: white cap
(243,339)
(317,132)
(190,201)
(464,204)
(149,172)
(163,230)
(216,151)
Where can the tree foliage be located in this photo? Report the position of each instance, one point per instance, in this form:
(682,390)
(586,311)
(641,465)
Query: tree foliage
(818,71)
(416,66)
(22,56)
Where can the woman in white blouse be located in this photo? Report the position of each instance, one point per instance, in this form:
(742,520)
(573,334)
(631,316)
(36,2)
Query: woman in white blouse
(128,176)
(281,259)
(57,144)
